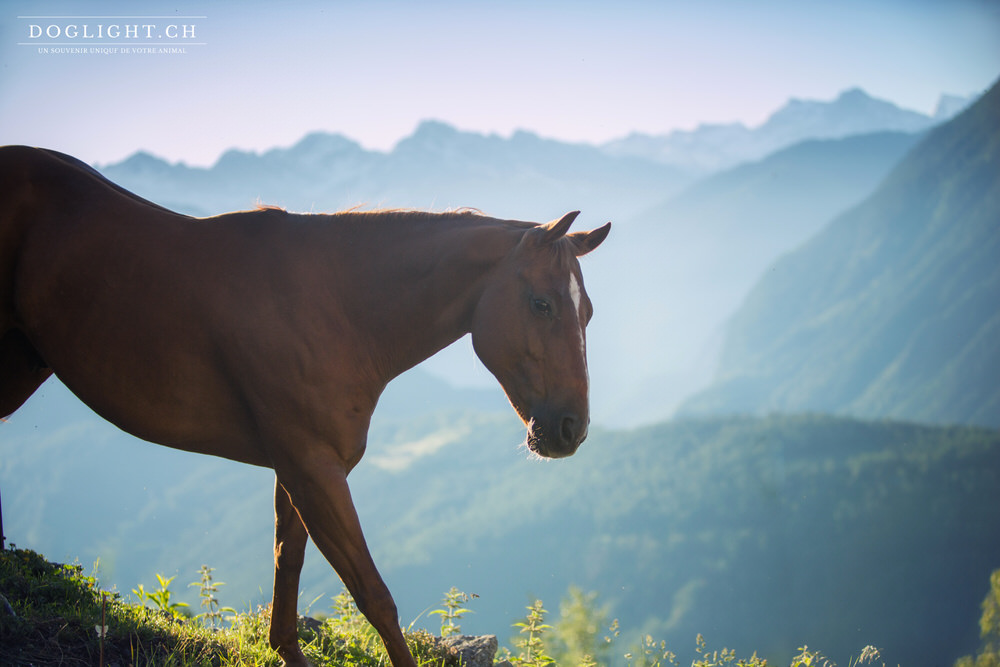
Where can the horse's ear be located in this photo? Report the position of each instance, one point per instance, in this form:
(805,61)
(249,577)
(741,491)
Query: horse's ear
(584,242)
(555,230)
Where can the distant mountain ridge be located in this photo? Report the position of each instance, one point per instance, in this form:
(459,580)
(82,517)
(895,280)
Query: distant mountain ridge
(894,308)
(713,147)
(437,167)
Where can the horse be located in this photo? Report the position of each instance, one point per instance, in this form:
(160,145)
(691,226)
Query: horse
(266,337)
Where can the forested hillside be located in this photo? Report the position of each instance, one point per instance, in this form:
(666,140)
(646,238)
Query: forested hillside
(892,309)
(671,276)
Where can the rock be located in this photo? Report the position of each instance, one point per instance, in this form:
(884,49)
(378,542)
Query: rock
(473,651)
(9,611)
(310,623)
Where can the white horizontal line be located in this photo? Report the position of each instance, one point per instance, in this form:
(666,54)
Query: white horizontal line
(165,45)
(112,17)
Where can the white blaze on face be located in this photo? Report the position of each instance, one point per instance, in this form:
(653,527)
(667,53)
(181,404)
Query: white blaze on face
(575,295)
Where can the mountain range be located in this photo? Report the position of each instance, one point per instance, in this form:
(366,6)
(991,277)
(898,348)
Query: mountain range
(893,309)
(438,167)
(713,147)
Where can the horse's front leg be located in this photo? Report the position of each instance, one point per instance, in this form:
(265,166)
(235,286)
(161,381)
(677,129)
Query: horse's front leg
(318,489)
(289,552)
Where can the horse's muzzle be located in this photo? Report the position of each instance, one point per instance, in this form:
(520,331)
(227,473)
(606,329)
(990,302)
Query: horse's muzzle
(556,436)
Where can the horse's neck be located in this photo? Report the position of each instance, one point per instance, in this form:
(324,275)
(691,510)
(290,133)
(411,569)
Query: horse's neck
(426,282)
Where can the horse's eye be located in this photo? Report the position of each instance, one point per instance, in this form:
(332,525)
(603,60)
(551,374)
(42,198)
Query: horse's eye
(541,306)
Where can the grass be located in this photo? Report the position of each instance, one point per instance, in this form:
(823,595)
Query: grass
(54,616)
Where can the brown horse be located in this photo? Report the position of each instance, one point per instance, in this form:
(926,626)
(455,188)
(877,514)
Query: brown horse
(267,337)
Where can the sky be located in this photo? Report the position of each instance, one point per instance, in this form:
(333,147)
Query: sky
(255,75)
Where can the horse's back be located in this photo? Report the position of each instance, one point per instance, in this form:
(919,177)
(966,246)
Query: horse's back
(117,296)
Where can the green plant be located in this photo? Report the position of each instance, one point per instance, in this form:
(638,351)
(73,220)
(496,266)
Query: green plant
(532,645)
(869,655)
(989,629)
(651,654)
(723,657)
(352,634)
(613,632)
(214,615)
(347,616)
(453,611)
(807,658)
(576,639)
(161,598)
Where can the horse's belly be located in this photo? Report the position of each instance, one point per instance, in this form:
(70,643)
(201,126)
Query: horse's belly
(155,375)
(196,420)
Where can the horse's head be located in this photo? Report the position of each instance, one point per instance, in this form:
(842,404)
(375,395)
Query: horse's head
(529,330)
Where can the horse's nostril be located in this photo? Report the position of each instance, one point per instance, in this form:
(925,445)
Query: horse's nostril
(570,430)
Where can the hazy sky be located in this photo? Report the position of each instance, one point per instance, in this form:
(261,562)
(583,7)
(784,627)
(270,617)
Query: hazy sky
(259,74)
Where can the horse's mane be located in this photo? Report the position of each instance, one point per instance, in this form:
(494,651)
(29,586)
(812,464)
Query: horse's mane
(373,215)
(565,250)
(377,215)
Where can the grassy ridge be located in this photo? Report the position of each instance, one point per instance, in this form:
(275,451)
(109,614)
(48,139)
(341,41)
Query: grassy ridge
(53,614)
